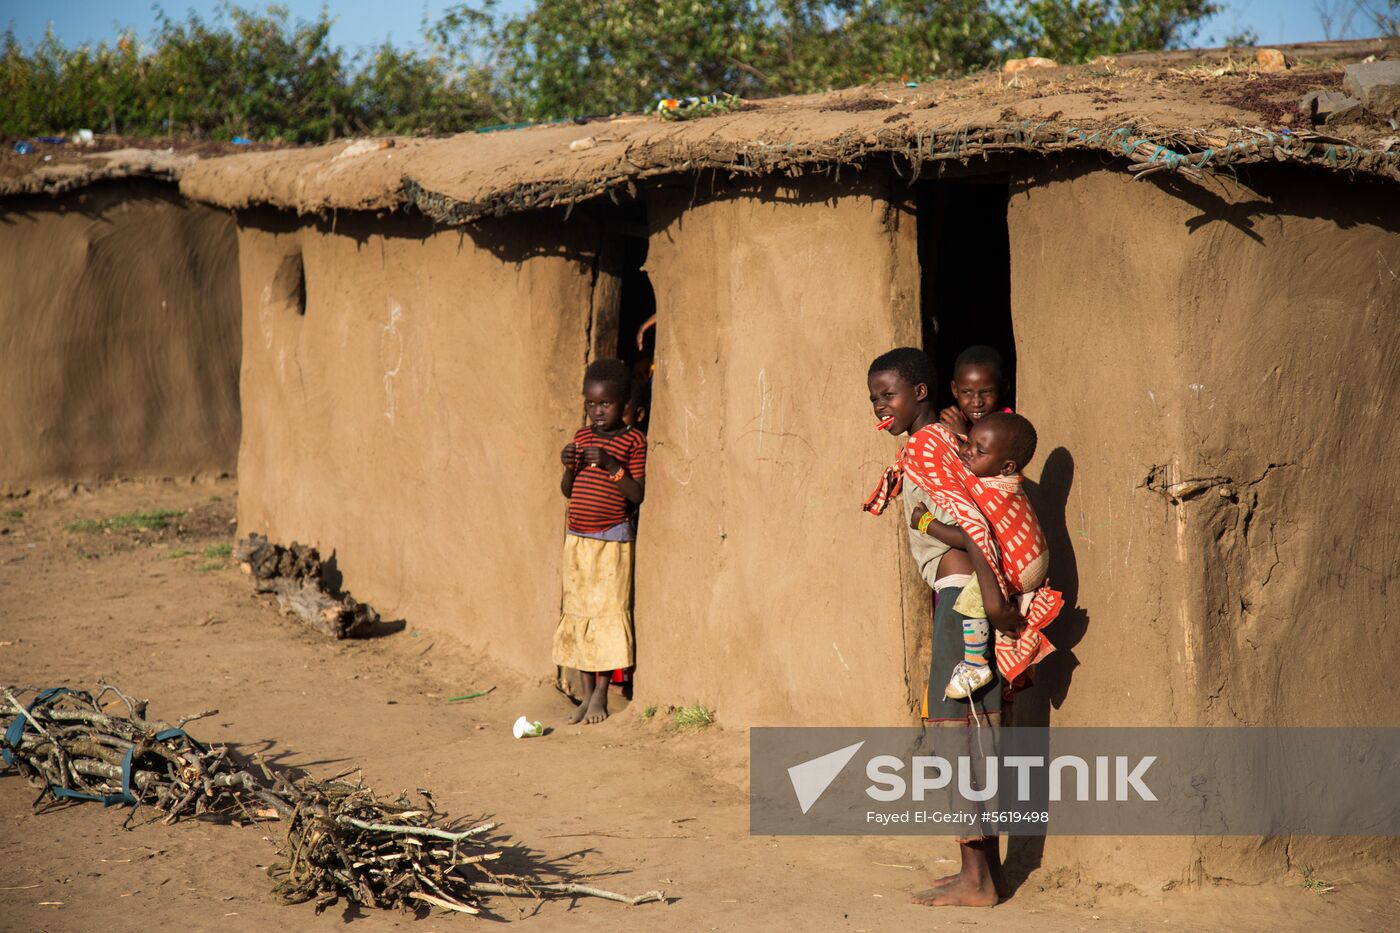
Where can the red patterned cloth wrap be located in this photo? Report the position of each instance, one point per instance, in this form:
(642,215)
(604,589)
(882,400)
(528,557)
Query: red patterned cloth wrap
(998,517)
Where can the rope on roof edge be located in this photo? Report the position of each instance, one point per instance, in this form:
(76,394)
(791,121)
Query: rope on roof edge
(1186,153)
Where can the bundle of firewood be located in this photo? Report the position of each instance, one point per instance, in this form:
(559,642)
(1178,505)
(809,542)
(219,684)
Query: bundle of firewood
(340,841)
(294,575)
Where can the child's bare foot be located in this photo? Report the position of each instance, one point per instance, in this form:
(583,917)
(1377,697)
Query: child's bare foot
(597,703)
(936,885)
(979,882)
(579,712)
(961,891)
(597,708)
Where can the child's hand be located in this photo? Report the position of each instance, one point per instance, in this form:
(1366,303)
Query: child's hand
(598,457)
(1007,618)
(952,419)
(919,512)
(569,456)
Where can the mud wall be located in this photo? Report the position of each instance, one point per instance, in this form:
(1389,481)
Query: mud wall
(1212,372)
(762,588)
(406,393)
(119,336)
(1208,371)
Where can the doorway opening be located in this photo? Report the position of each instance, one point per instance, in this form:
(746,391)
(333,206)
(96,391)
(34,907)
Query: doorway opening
(622,324)
(636,304)
(965,286)
(965,262)
(623,314)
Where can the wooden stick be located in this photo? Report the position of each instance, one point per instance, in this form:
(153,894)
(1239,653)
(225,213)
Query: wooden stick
(384,863)
(561,887)
(439,902)
(416,830)
(64,763)
(117,724)
(180,723)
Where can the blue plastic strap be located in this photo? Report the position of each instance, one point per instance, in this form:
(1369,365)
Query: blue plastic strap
(15,734)
(109,800)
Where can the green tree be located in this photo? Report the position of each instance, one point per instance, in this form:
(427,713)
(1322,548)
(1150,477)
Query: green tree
(1077,30)
(561,58)
(835,44)
(256,76)
(403,92)
(256,73)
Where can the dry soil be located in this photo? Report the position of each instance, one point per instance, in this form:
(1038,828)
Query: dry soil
(630,805)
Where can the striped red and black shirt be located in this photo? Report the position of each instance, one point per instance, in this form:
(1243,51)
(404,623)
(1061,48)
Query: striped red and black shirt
(596,503)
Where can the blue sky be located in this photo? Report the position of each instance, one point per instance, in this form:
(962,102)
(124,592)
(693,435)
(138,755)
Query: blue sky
(367,22)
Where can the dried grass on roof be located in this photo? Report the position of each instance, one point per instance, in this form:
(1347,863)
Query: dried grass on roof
(1191,113)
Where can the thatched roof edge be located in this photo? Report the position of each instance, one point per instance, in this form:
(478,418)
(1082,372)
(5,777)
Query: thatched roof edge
(1138,151)
(77,172)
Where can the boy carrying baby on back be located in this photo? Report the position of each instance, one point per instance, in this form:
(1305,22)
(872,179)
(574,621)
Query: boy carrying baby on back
(971,532)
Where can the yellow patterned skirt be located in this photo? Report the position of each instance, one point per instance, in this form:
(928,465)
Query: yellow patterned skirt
(595,631)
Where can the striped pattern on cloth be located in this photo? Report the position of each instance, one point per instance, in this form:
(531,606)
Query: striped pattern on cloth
(596,503)
(998,517)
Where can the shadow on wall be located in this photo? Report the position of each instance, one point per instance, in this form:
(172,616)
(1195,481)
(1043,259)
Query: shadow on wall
(1053,675)
(1288,191)
(712,185)
(333,579)
(513,239)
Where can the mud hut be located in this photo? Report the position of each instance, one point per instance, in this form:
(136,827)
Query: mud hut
(119,338)
(1195,281)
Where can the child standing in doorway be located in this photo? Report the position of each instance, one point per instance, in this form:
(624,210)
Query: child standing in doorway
(604,481)
(900,383)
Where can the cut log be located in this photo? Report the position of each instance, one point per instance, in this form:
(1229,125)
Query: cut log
(293,575)
(316,608)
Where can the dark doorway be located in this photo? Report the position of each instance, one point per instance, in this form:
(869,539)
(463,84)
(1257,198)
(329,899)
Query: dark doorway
(636,318)
(965,256)
(623,325)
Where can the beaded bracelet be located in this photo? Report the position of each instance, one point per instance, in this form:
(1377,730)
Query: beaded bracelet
(924,521)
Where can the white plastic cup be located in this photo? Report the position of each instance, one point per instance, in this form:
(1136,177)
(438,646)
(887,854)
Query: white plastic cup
(525,729)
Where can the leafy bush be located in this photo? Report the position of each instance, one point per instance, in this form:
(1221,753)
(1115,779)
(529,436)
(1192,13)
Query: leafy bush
(247,73)
(257,74)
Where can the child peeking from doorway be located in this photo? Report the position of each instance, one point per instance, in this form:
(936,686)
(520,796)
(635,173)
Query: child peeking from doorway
(604,481)
(978,386)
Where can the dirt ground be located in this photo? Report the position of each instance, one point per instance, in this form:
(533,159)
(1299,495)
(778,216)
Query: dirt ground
(629,805)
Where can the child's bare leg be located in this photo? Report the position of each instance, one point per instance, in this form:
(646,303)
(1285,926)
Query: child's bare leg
(979,884)
(588,687)
(598,701)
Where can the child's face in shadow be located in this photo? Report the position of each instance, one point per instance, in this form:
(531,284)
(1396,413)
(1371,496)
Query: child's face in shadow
(603,405)
(977,391)
(984,452)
